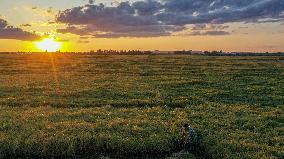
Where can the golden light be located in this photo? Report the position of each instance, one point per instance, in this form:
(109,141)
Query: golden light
(48,45)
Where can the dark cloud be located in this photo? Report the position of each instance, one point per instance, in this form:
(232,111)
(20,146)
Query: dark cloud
(3,23)
(199,27)
(49,10)
(121,31)
(209,33)
(267,21)
(124,20)
(91,1)
(26,25)
(209,27)
(83,41)
(62,40)
(51,22)
(149,7)
(10,32)
(151,18)
(74,30)
(132,34)
(84,37)
(219,11)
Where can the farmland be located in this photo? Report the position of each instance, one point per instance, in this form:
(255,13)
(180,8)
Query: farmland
(71,105)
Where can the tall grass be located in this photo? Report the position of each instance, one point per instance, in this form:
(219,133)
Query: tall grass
(67,105)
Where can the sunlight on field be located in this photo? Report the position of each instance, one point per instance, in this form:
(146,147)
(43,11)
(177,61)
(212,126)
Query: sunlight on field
(63,105)
(49,45)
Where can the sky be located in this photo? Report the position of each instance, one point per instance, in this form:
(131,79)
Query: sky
(84,25)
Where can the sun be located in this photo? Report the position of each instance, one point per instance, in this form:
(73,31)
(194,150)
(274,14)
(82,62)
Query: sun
(48,45)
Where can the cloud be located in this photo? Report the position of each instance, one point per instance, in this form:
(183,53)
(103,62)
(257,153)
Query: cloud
(209,27)
(267,20)
(62,40)
(132,34)
(120,31)
(83,41)
(220,11)
(147,7)
(84,37)
(74,30)
(39,11)
(10,32)
(91,1)
(209,33)
(3,23)
(151,18)
(124,20)
(25,25)
(50,10)
(199,27)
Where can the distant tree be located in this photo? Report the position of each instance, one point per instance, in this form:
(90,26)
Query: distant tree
(99,51)
(183,52)
(206,52)
(214,52)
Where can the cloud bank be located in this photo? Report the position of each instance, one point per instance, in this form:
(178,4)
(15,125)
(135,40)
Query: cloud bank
(151,18)
(10,32)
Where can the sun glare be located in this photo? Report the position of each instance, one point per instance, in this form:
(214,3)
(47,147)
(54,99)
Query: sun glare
(49,45)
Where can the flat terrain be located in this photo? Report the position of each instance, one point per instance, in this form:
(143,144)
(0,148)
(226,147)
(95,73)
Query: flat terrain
(82,105)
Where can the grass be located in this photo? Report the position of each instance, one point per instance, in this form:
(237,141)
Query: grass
(82,105)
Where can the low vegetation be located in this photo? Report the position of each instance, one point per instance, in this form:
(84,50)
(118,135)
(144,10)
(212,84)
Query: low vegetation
(83,105)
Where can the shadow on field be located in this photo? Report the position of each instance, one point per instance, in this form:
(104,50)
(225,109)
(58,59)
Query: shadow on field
(89,150)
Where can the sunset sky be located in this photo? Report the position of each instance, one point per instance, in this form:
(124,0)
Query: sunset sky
(84,25)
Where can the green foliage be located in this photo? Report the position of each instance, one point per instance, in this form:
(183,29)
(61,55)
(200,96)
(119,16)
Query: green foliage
(67,105)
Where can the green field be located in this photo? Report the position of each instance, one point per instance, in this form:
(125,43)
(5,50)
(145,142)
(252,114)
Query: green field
(82,105)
